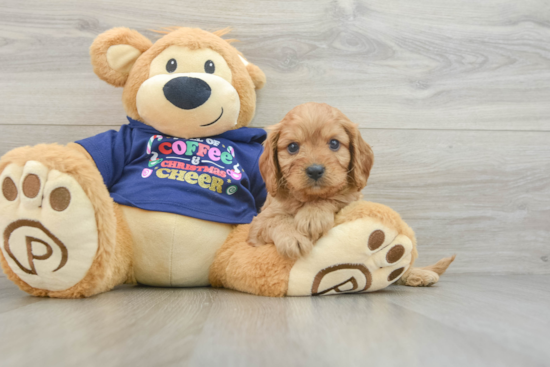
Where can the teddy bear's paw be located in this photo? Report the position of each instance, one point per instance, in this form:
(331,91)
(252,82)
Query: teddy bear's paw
(357,256)
(48,224)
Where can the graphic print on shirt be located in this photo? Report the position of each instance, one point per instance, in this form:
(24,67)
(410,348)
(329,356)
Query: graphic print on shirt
(204,162)
(153,161)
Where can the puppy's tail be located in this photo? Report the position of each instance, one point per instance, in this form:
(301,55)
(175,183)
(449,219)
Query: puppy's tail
(441,266)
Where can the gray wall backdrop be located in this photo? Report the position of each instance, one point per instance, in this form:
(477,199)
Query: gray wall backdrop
(453,96)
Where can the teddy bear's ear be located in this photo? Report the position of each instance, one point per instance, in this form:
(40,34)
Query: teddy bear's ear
(257,75)
(114,53)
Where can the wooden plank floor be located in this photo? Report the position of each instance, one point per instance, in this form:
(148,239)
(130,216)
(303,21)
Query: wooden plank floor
(465,320)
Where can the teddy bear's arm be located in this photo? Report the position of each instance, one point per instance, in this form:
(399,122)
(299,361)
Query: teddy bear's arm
(109,152)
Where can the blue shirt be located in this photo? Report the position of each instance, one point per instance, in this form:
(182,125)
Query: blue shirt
(215,179)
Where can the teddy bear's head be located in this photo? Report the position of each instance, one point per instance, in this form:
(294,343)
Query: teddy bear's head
(190,83)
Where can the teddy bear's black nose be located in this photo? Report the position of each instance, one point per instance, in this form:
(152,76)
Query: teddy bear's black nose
(186,92)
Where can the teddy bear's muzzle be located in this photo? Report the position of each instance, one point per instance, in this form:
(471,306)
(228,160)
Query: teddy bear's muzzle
(188,105)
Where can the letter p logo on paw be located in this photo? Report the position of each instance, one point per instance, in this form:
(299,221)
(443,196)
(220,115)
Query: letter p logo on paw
(24,252)
(342,278)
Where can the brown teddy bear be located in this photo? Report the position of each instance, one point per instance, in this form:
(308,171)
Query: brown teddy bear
(161,201)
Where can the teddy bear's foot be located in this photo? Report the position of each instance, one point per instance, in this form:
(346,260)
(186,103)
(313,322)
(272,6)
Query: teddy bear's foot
(50,236)
(362,255)
(58,224)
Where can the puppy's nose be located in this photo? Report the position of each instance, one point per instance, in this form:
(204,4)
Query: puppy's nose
(186,92)
(315,171)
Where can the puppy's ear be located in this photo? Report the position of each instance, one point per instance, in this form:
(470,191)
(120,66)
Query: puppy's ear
(269,163)
(114,53)
(361,159)
(257,75)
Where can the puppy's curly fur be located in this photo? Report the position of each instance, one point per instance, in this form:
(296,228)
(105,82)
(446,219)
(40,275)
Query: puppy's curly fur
(299,208)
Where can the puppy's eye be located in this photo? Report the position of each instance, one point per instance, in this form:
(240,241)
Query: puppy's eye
(334,145)
(171,65)
(209,67)
(293,148)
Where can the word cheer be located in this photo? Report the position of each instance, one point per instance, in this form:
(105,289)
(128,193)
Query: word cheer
(204,180)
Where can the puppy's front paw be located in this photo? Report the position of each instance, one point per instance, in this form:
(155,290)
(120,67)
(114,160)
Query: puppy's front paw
(292,244)
(313,224)
(255,241)
(256,234)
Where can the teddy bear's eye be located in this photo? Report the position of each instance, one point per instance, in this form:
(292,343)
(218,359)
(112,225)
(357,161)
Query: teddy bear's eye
(209,67)
(171,65)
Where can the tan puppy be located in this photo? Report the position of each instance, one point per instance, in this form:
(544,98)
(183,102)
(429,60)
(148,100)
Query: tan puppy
(314,164)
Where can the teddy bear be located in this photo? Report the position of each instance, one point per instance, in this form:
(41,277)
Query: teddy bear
(165,201)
